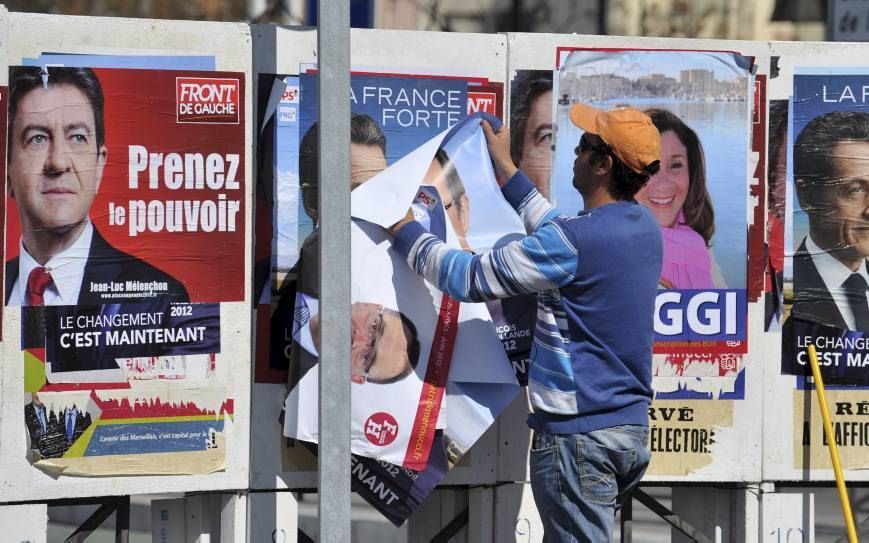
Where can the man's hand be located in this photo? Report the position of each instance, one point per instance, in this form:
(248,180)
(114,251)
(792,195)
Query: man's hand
(408,217)
(499,150)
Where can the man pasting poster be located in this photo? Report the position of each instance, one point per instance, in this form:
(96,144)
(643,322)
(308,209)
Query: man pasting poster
(392,114)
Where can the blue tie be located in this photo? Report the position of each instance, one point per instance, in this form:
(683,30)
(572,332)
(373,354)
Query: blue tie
(70,424)
(855,291)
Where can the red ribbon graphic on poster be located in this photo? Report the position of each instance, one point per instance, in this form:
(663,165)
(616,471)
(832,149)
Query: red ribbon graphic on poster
(437,371)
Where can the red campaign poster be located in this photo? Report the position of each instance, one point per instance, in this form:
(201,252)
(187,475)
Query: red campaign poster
(757,228)
(154,159)
(4,95)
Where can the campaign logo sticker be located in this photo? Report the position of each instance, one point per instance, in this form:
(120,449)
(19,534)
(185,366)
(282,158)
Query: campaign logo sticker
(212,100)
(481,102)
(728,363)
(287,115)
(381,429)
(427,197)
(290,95)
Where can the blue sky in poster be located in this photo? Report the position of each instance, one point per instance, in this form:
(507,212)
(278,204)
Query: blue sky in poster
(636,63)
(144,62)
(288,210)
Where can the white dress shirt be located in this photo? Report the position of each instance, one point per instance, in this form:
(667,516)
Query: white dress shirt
(66,269)
(834,273)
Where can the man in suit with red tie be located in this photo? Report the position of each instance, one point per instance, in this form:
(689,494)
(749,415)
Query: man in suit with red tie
(57,154)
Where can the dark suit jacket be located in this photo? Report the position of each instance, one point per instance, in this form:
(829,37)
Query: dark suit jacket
(814,314)
(308,271)
(106,264)
(80,424)
(812,301)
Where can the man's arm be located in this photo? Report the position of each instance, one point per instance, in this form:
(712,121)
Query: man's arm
(532,207)
(544,260)
(515,186)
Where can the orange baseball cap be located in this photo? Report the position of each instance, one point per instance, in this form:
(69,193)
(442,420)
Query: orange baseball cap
(629,132)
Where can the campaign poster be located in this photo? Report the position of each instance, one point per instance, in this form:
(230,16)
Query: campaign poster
(757,250)
(127,229)
(392,113)
(829,151)
(702,102)
(276,247)
(777,180)
(683,434)
(125,389)
(531,128)
(531,145)
(428,373)
(391,116)
(4,96)
(152,427)
(849,415)
(127,184)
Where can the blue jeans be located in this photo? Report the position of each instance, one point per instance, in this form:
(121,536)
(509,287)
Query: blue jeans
(580,480)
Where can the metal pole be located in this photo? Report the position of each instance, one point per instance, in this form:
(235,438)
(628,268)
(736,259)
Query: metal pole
(627,520)
(517,16)
(122,520)
(601,17)
(333,47)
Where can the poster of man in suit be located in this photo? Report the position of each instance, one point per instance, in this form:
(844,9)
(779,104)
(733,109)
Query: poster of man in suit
(830,225)
(124,185)
(126,220)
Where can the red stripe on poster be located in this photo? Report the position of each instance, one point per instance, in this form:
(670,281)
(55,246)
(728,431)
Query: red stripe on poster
(77,387)
(700,347)
(436,374)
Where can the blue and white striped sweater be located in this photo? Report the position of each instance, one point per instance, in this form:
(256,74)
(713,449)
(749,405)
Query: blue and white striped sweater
(546,262)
